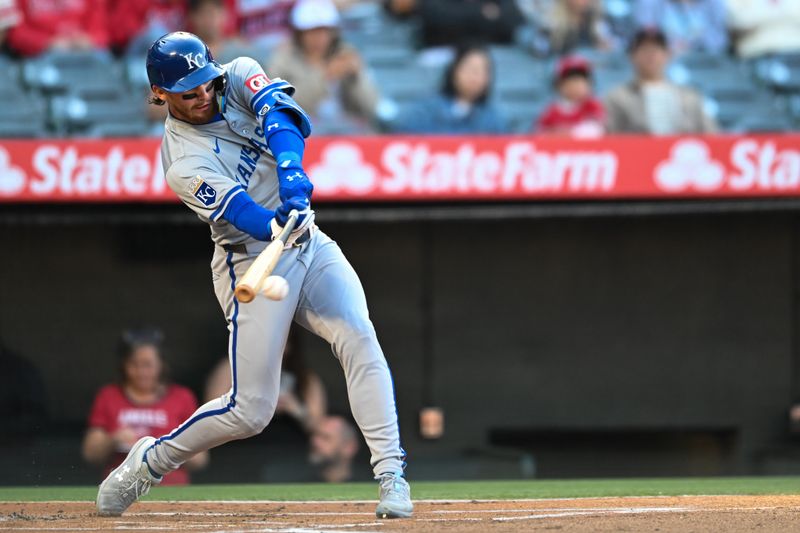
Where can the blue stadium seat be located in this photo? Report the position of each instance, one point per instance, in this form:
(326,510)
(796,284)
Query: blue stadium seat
(522,115)
(79,113)
(404,83)
(22,115)
(9,74)
(780,72)
(58,72)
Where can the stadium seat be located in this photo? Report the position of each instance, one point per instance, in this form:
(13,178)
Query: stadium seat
(522,115)
(757,123)
(387,55)
(58,72)
(781,73)
(404,83)
(22,115)
(136,73)
(81,113)
(9,75)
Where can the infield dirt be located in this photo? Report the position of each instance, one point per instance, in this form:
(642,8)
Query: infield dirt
(663,514)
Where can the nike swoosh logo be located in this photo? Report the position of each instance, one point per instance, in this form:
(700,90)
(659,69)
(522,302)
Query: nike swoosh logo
(216,145)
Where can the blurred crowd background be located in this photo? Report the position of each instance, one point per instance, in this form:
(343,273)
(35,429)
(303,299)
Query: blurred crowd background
(574,67)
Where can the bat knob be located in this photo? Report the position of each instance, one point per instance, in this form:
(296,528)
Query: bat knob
(244,293)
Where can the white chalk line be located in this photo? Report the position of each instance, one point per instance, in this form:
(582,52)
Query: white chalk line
(348,526)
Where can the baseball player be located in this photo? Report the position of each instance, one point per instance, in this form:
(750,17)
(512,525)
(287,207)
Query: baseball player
(232,151)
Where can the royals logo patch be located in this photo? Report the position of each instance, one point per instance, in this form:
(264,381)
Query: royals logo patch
(203,191)
(257,82)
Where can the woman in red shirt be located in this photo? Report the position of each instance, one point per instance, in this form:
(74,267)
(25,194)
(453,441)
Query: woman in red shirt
(142,403)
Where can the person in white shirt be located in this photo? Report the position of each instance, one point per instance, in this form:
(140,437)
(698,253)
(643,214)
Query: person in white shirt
(651,103)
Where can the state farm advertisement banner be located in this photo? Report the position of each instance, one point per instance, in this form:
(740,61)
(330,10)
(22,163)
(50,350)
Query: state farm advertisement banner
(434,169)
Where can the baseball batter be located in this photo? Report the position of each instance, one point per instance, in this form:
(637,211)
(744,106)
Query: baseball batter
(232,151)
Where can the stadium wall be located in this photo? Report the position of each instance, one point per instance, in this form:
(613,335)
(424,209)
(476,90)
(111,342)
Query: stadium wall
(600,328)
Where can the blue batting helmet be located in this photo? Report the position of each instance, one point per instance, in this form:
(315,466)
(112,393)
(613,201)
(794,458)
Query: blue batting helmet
(180,61)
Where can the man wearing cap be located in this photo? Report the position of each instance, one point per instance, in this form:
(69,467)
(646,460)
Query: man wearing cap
(651,103)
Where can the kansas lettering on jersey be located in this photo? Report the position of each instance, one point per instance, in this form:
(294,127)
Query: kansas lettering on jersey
(209,164)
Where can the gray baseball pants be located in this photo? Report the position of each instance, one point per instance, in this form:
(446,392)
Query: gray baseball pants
(325,297)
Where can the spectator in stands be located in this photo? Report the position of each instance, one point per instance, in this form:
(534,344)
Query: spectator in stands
(135,24)
(576,112)
(690,25)
(463,106)
(576,24)
(651,103)
(332,85)
(58,25)
(764,27)
(9,17)
(334,444)
(209,20)
(142,403)
(302,395)
(457,22)
(262,23)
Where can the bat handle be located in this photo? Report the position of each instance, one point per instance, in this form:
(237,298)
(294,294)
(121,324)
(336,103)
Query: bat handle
(291,222)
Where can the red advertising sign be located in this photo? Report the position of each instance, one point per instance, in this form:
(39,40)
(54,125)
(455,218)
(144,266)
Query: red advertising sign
(435,168)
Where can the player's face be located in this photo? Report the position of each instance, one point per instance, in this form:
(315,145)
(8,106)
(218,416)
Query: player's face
(196,106)
(143,369)
(471,77)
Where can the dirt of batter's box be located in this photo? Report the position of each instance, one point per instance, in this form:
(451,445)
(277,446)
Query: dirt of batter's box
(682,514)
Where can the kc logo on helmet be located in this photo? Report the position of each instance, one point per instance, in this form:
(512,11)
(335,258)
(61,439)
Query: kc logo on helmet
(197,60)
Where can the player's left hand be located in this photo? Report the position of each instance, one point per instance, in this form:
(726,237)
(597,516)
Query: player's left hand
(293,180)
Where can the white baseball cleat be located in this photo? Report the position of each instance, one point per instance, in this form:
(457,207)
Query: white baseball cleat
(395,496)
(128,482)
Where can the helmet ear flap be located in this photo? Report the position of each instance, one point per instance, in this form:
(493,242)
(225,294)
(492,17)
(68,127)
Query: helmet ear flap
(220,83)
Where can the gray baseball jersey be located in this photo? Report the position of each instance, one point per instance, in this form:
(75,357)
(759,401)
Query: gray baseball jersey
(207,165)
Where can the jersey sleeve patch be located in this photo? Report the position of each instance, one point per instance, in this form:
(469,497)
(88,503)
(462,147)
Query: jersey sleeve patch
(202,191)
(257,82)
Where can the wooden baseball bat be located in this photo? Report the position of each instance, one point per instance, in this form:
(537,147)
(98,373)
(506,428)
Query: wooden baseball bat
(262,267)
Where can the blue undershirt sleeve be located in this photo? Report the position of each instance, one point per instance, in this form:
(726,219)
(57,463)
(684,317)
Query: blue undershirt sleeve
(248,216)
(283,136)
